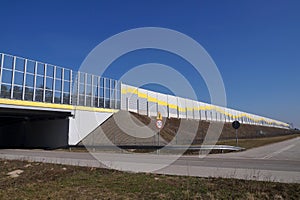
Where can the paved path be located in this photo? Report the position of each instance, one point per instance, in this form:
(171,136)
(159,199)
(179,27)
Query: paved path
(286,150)
(276,162)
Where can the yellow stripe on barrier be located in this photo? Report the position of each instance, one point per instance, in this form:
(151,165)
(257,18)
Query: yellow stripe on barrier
(35,104)
(53,105)
(206,107)
(162,103)
(142,95)
(202,108)
(181,109)
(189,109)
(152,99)
(95,109)
(124,91)
(173,106)
(132,90)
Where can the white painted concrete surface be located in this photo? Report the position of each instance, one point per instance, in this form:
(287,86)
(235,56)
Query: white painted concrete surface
(83,123)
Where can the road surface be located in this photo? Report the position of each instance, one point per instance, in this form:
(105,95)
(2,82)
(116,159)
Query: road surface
(276,162)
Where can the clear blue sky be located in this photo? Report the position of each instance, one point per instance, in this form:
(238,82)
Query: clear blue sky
(255,44)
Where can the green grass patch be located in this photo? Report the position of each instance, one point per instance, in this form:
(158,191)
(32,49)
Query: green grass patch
(50,181)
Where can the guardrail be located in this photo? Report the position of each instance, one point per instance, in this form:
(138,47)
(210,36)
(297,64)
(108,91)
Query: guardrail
(175,147)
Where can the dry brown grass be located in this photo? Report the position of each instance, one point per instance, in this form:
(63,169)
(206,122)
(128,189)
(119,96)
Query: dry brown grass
(49,181)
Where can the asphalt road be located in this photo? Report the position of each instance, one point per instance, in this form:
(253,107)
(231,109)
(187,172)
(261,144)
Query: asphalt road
(276,162)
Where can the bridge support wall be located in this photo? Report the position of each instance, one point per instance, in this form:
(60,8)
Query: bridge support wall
(83,123)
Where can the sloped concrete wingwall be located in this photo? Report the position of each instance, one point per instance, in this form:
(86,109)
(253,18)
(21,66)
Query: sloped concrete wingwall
(83,123)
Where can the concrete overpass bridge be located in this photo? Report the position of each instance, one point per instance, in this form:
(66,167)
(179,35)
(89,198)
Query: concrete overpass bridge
(44,105)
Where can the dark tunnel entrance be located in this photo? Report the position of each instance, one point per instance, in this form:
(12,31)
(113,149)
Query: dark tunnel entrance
(25,128)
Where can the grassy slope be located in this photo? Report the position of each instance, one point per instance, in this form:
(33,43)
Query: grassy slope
(42,181)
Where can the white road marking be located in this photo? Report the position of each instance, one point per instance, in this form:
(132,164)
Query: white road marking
(278,151)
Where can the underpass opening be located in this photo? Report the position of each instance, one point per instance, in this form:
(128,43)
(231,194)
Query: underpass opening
(26,128)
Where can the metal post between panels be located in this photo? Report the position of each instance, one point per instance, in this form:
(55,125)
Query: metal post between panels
(1,69)
(92,92)
(13,78)
(168,110)
(24,79)
(199,110)
(177,111)
(186,110)
(62,85)
(34,84)
(157,105)
(70,89)
(137,106)
(85,81)
(98,88)
(148,111)
(44,88)
(104,92)
(110,92)
(78,88)
(112,95)
(116,90)
(54,85)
